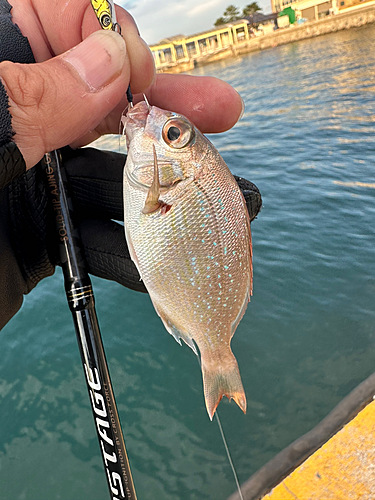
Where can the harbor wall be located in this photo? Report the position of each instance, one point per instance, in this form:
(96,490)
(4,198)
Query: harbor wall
(293,33)
(312,29)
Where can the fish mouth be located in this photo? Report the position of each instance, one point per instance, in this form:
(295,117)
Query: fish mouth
(145,119)
(137,116)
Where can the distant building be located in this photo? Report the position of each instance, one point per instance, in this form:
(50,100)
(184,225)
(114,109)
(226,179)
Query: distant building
(179,49)
(313,10)
(306,9)
(260,18)
(353,4)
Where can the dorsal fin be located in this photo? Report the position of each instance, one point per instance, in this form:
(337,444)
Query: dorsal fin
(152,202)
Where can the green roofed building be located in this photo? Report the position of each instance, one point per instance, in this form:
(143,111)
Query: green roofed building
(288,11)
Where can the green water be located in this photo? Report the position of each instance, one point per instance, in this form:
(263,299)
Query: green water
(308,336)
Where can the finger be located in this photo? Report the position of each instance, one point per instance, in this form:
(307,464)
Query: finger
(211,104)
(54,27)
(54,102)
(141,60)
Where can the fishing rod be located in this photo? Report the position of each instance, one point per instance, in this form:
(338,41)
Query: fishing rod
(81,302)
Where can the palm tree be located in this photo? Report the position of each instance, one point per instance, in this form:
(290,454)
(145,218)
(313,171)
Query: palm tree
(231,13)
(250,9)
(219,21)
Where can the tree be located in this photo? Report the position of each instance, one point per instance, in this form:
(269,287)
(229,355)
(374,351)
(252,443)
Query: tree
(231,13)
(219,21)
(250,9)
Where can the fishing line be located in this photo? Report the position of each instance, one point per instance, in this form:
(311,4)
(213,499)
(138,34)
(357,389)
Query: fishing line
(228,455)
(106,15)
(225,444)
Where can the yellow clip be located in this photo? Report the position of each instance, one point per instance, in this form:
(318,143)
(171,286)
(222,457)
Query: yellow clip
(103,12)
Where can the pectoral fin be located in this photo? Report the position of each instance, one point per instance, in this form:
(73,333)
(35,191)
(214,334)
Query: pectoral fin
(152,202)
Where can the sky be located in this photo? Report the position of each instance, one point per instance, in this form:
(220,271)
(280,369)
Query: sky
(164,18)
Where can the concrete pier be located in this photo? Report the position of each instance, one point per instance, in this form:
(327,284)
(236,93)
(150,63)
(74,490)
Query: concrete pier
(331,24)
(222,48)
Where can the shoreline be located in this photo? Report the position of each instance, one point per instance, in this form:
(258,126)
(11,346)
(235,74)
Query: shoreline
(282,36)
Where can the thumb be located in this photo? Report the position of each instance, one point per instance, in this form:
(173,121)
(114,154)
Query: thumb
(57,101)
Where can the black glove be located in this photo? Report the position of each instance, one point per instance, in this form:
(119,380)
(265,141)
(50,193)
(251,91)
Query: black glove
(252,196)
(29,250)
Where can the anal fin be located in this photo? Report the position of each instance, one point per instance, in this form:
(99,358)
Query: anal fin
(178,336)
(173,330)
(190,342)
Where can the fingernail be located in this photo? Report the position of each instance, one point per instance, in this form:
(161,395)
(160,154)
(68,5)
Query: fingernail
(243,108)
(98,59)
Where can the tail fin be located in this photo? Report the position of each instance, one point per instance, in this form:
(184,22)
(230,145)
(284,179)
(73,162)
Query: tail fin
(222,378)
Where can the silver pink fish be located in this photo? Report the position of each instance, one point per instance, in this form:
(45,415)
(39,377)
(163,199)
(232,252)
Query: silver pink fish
(188,232)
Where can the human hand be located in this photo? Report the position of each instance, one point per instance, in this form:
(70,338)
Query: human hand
(29,249)
(74,95)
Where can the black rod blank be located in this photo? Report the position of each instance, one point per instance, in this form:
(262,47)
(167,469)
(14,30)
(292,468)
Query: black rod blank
(82,306)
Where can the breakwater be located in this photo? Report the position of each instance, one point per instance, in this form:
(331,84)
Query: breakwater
(293,33)
(312,29)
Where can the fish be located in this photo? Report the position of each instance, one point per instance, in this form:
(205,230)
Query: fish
(188,233)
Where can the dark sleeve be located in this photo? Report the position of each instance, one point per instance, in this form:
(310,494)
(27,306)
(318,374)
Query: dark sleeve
(12,283)
(14,47)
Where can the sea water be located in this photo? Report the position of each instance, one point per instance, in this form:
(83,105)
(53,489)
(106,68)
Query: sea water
(307,140)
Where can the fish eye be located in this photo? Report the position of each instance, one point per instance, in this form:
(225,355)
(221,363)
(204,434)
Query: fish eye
(178,132)
(173,133)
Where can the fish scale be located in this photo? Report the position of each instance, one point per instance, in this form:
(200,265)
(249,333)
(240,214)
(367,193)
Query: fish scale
(195,255)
